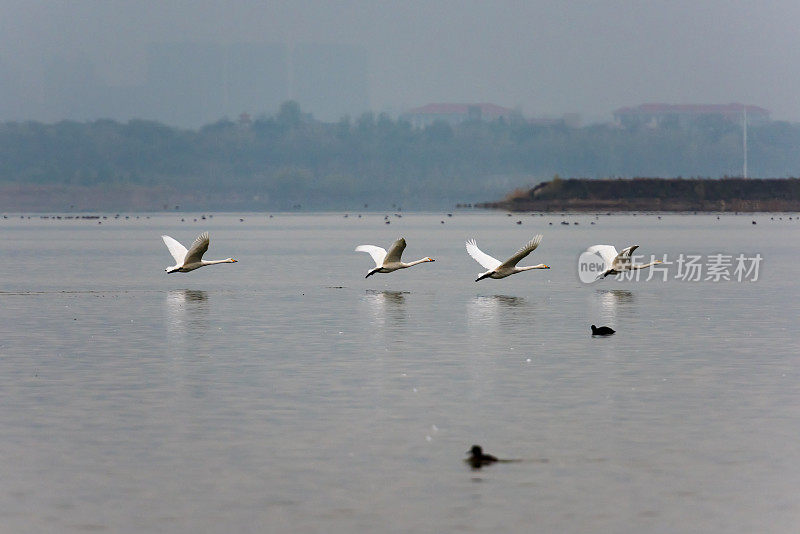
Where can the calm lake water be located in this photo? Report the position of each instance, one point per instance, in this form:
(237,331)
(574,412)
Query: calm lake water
(286,393)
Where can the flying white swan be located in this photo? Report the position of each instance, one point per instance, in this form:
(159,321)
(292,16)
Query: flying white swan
(189,260)
(616,263)
(498,269)
(386,262)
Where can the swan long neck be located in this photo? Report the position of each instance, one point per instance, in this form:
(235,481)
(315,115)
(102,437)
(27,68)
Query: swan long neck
(423,260)
(528,268)
(214,262)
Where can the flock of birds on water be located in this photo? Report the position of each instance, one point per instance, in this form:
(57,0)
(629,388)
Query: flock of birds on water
(187,260)
(391,260)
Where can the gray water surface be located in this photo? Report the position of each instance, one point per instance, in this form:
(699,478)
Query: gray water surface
(286,393)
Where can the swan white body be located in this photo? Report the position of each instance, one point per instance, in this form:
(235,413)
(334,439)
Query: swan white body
(498,269)
(387,262)
(189,260)
(617,262)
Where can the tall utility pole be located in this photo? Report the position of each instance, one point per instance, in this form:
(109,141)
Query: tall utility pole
(744,142)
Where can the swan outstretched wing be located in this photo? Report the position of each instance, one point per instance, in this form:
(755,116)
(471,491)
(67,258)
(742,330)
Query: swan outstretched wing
(624,257)
(395,251)
(607,252)
(481,257)
(626,253)
(199,248)
(529,247)
(177,250)
(378,254)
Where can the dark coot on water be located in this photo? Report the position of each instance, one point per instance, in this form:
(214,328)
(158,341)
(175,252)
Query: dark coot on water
(602,331)
(478,459)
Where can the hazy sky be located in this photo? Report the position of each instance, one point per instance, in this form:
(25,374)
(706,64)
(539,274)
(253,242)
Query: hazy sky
(548,57)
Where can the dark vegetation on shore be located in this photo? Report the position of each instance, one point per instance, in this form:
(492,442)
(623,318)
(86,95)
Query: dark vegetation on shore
(656,194)
(289,159)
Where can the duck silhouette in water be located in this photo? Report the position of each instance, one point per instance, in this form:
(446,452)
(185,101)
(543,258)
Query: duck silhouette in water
(602,331)
(477,458)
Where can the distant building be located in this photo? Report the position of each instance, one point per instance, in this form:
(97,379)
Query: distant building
(457,113)
(569,120)
(654,115)
(245,121)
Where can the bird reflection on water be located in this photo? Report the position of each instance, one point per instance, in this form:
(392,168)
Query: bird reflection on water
(612,297)
(387,306)
(615,301)
(187,313)
(506,300)
(495,302)
(194,295)
(395,297)
(492,308)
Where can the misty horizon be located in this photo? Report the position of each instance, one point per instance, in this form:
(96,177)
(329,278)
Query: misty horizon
(543,60)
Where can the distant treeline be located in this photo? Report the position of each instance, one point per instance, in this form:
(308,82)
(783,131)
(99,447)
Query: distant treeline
(657,194)
(289,159)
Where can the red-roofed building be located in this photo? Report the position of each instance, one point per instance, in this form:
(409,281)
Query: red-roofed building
(457,113)
(654,115)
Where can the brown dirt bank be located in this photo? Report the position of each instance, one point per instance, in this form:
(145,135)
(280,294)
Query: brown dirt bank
(656,194)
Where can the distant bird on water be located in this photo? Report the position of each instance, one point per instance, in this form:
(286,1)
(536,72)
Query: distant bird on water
(616,263)
(189,260)
(387,262)
(602,331)
(477,458)
(498,269)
